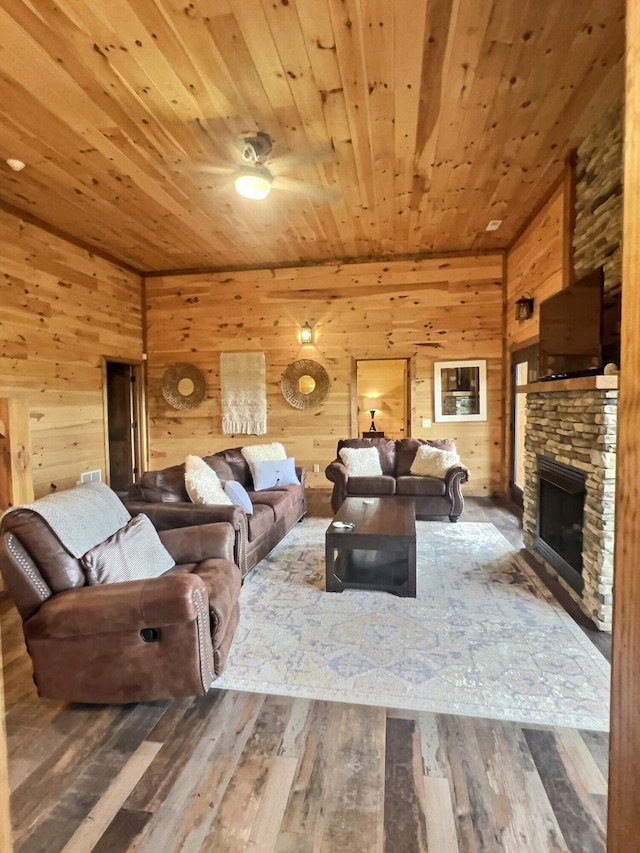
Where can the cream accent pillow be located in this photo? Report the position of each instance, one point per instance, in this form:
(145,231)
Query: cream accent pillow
(203,484)
(431,462)
(273,452)
(361,461)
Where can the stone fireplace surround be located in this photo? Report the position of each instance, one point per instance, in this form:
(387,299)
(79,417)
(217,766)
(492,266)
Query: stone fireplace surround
(574,421)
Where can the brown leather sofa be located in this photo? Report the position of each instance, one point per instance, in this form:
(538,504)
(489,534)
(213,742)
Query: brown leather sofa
(140,640)
(433,496)
(163,497)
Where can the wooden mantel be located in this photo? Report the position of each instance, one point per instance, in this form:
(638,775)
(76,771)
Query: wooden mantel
(579,383)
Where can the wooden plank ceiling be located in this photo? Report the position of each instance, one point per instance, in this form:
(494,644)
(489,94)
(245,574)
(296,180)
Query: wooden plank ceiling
(443,115)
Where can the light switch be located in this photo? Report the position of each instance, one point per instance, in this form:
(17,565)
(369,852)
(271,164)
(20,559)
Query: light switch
(426,423)
(316,468)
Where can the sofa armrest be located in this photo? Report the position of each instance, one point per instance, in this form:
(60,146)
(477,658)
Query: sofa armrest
(201,542)
(454,479)
(456,476)
(337,473)
(170,516)
(110,608)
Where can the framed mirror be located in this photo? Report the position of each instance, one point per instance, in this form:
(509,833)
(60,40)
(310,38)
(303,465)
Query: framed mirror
(460,390)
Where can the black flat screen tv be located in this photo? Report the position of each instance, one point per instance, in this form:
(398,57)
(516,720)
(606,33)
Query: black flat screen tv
(571,329)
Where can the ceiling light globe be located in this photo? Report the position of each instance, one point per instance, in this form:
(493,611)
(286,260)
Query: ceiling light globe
(253,185)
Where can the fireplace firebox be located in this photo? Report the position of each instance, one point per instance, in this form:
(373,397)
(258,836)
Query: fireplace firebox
(561,496)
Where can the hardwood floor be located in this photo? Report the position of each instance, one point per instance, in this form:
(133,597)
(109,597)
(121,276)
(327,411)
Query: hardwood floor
(247,772)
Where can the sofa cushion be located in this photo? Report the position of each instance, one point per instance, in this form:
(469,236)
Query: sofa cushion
(134,552)
(271,473)
(382,485)
(261,521)
(238,494)
(406,451)
(421,486)
(432,462)
(203,484)
(238,465)
(361,461)
(281,500)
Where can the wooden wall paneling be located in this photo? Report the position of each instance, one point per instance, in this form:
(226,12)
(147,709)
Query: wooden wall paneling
(63,309)
(535,266)
(430,310)
(624,768)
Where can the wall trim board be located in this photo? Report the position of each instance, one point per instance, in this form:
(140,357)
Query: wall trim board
(329,262)
(569,214)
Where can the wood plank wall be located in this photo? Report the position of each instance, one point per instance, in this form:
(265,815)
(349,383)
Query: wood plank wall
(426,311)
(535,267)
(61,310)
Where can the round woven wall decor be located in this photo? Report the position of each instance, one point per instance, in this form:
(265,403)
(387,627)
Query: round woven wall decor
(185,375)
(290,387)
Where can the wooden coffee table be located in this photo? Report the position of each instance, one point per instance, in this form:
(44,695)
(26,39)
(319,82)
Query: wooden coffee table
(379,552)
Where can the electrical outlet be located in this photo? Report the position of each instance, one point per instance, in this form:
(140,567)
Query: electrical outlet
(426,423)
(316,468)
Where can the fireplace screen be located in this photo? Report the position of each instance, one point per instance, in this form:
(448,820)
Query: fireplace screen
(561,495)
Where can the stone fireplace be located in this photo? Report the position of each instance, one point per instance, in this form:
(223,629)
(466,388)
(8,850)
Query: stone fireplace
(571,425)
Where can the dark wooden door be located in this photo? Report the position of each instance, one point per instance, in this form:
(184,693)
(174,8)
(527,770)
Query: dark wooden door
(121,425)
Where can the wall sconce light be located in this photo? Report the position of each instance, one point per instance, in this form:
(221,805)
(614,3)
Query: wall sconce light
(306,334)
(524,308)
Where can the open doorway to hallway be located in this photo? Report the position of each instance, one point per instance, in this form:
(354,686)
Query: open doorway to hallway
(382,387)
(124,402)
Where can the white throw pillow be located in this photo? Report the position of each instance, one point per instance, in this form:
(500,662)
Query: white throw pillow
(134,552)
(203,484)
(431,462)
(361,461)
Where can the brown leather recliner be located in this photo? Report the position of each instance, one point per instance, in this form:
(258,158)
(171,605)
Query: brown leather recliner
(138,640)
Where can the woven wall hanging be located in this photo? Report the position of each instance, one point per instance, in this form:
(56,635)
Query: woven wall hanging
(183,386)
(290,384)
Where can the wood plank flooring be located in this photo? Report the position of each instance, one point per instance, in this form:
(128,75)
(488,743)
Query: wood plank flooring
(247,772)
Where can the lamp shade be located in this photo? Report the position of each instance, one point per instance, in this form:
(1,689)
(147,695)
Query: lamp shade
(372,404)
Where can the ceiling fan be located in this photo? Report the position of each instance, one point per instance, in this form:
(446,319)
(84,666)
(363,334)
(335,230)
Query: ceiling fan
(256,175)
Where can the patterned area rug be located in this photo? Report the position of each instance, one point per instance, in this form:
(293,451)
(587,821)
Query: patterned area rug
(483,638)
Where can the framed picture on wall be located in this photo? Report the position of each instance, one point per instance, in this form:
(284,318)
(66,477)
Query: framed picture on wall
(460,390)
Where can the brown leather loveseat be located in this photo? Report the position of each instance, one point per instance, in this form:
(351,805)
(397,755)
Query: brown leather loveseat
(162,496)
(136,640)
(433,496)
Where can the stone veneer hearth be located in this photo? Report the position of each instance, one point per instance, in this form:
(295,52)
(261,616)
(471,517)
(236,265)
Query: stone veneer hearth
(574,422)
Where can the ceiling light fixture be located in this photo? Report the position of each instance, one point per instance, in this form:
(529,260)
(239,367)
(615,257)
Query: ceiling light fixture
(494,225)
(254,183)
(16,165)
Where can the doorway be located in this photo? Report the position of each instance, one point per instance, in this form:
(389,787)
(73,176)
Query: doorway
(382,386)
(523,370)
(124,413)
